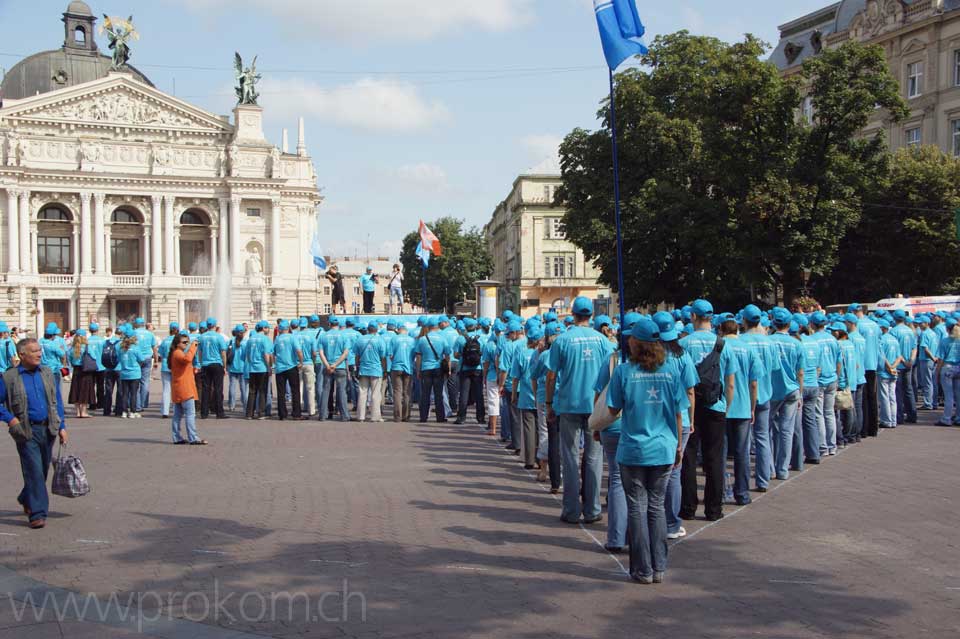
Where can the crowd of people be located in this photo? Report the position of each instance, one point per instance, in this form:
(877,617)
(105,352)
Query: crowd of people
(655,397)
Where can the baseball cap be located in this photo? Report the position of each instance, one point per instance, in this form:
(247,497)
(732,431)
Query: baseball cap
(751,313)
(314,318)
(239,328)
(174,326)
(899,314)
(94,326)
(391,323)
(582,306)
(442,319)
(52,329)
(4,328)
(192,326)
(883,322)
(351,322)
(646,331)
(782,317)
(818,318)
(853,308)
(550,316)
(304,322)
(203,324)
(701,308)
(535,334)
(630,319)
(334,320)
(283,325)
(485,322)
(666,325)
(602,320)
(514,326)
(850,317)
(838,326)
(139,321)
(568,320)
(470,323)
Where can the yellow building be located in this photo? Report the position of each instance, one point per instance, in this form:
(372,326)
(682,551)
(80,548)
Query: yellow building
(539,268)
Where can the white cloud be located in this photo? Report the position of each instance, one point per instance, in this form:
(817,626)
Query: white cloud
(377,21)
(369,104)
(541,146)
(422,176)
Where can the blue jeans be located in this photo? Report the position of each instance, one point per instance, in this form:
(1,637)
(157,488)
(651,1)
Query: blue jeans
(925,380)
(35,455)
(237,381)
(616,502)
(784,424)
(645,489)
(951,393)
(673,491)
(143,398)
(506,430)
(906,402)
(887,392)
(165,380)
(811,423)
(738,440)
(339,379)
(188,411)
(761,444)
(573,430)
(828,420)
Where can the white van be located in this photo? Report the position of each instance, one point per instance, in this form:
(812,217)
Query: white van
(916,305)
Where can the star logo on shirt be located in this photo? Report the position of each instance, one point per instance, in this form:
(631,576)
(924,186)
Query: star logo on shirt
(653,394)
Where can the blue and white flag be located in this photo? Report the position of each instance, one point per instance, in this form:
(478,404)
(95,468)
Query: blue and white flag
(620,30)
(424,255)
(315,251)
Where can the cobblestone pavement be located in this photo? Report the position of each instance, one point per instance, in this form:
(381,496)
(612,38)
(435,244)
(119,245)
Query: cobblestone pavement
(434,531)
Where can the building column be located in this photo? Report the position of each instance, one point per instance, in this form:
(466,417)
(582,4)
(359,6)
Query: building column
(85,239)
(213,251)
(275,237)
(235,264)
(155,213)
(25,231)
(34,252)
(173,263)
(222,231)
(176,250)
(100,263)
(75,248)
(13,231)
(108,256)
(147,263)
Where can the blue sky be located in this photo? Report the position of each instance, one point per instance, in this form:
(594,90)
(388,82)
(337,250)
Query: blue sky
(414,108)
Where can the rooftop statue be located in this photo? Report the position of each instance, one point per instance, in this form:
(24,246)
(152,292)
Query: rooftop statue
(246,81)
(119,32)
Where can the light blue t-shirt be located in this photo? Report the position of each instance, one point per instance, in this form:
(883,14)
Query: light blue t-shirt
(576,357)
(257,346)
(8,351)
(238,362)
(603,380)
(163,351)
(212,347)
(366,281)
(333,343)
(812,357)
(770,359)
(860,347)
(401,354)
(451,335)
(929,341)
(370,351)
(849,367)
(701,343)
(786,380)
(521,371)
(907,341)
(489,357)
(286,352)
(650,401)
(95,348)
(350,335)
(130,363)
(889,352)
(430,358)
(52,354)
(871,335)
(689,378)
(948,350)
(829,357)
(146,341)
(749,369)
(507,355)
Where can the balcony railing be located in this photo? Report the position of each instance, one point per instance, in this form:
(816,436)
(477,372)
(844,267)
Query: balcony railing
(129,281)
(58,280)
(197,281)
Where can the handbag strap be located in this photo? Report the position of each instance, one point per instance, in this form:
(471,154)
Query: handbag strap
(430,344)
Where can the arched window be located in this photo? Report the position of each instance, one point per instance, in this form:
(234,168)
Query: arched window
(125,243)
(80,36)
(192,217)
(195,243)
(54,241)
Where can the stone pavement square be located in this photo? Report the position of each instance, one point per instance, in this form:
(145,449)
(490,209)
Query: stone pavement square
(313,529)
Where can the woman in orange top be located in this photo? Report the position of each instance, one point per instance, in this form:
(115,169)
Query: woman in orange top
(183,389)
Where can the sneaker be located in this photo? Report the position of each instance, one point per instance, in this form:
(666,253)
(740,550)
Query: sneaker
(125,415)
(658,577)
(681,532)
(136,416)
(642,580)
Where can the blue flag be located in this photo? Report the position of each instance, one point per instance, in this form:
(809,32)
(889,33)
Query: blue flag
(620,30)
(424,255)
(315,251)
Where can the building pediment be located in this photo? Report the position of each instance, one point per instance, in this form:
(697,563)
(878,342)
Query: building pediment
(913,46)
(116,101)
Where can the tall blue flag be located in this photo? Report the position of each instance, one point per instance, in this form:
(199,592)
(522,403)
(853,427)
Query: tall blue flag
(620,30)
(316,252)
(424,255)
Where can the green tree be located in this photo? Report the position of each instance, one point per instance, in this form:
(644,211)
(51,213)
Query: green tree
(725,190)
(450,277)
(906,241)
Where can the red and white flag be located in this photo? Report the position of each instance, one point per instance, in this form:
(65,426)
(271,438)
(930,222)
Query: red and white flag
(429,241)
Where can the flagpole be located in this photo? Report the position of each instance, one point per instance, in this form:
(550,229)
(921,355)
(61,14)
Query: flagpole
(423,281)
(616,199)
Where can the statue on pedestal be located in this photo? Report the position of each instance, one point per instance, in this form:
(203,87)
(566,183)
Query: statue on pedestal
(233,154)
(246,80)
(119,32)
(275,171)
(254,267)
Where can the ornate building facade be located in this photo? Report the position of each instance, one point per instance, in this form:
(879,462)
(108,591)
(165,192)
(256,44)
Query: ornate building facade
(119,200)
(538,267)
(921,39)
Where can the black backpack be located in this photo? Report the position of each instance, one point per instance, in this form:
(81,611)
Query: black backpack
(710,388)
(230,352)
(472,353)
(110,356)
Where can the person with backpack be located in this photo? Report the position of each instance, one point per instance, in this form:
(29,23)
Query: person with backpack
(110,359)
(237,370)
(716,368)
(470,353)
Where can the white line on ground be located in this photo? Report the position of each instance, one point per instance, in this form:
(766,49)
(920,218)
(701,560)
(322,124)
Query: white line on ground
(209,552)
(790,581)
(9,535)
(93,541)
(953,587)
(467,568)
(342,563)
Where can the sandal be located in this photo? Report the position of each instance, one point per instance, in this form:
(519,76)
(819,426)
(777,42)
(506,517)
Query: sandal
(199,442)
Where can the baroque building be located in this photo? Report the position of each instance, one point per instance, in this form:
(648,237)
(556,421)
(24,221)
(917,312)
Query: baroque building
(921,39)
(118,200)
(538,267)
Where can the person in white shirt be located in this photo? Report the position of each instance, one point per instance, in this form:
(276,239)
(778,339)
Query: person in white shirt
(395,284)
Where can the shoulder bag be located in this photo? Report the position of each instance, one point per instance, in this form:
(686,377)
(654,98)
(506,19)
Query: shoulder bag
(601,419)
(444,364)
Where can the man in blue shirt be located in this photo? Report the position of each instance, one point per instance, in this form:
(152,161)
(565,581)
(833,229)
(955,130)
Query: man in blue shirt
(906,402)
(401,372)
(95,347)
(757,340)
(351,335)
(8,350)
(490,371)
(287,359)
(510,413)
(163,352)
(368,282)
(927,361)
(469,350)
(860,350)
(371,353)
(147,352)
(430,354)
(870,331)
(333,351)
(575,360)
(54,351)
(237,369)
(32,409)
(213,362)
(785,402)
(258,354)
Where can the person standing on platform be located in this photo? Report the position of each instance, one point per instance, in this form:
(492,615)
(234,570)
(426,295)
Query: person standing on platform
(395,285)
(368,282)
(336,286)
(147,345)
(287,360)
(213,363)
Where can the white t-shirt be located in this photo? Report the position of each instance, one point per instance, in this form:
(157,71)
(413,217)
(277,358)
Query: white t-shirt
(396,280)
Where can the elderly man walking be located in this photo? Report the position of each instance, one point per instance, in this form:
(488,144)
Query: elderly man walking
(32,408)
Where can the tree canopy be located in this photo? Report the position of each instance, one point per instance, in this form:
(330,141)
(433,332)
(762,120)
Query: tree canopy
(450,277)
(726,189)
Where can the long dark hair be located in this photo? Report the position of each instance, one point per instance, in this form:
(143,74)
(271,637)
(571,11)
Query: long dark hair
(673,348)
(175,345)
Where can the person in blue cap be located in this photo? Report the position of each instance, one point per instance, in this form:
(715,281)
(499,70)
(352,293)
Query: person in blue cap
(131,366)
(927,362)
(258,356)
(755,336)
(8,350)
(469,350)
(307,336)
(847,426)
(371,355)
(868,328)
(350,336)
(524,394)
(948,370)
(432,360)
(166,376)
(829,372)
(489,356)
(851,322)
(213,364)
(716,368)
(906,401)
(573,366)
(111,374)
(54,351)
(451,387)
(890,360)
(649,394)
(237,369)
(787,390)
(509,411)
(147,347)
(95,342)
(333,352)
(287,358)
(401,372)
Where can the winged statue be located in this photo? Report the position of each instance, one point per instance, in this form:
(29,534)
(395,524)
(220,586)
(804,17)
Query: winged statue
(246,80)
(119,32)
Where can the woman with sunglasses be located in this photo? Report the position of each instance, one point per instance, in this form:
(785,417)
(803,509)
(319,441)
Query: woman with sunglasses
(183,389)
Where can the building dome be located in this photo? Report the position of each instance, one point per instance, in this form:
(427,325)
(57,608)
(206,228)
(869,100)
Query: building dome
(76,62)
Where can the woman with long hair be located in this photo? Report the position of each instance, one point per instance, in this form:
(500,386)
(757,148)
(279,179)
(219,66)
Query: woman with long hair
(83,388)
(648,392)
(183,389)
(130,372)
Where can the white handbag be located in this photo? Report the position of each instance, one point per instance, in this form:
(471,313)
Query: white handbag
(600,418)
